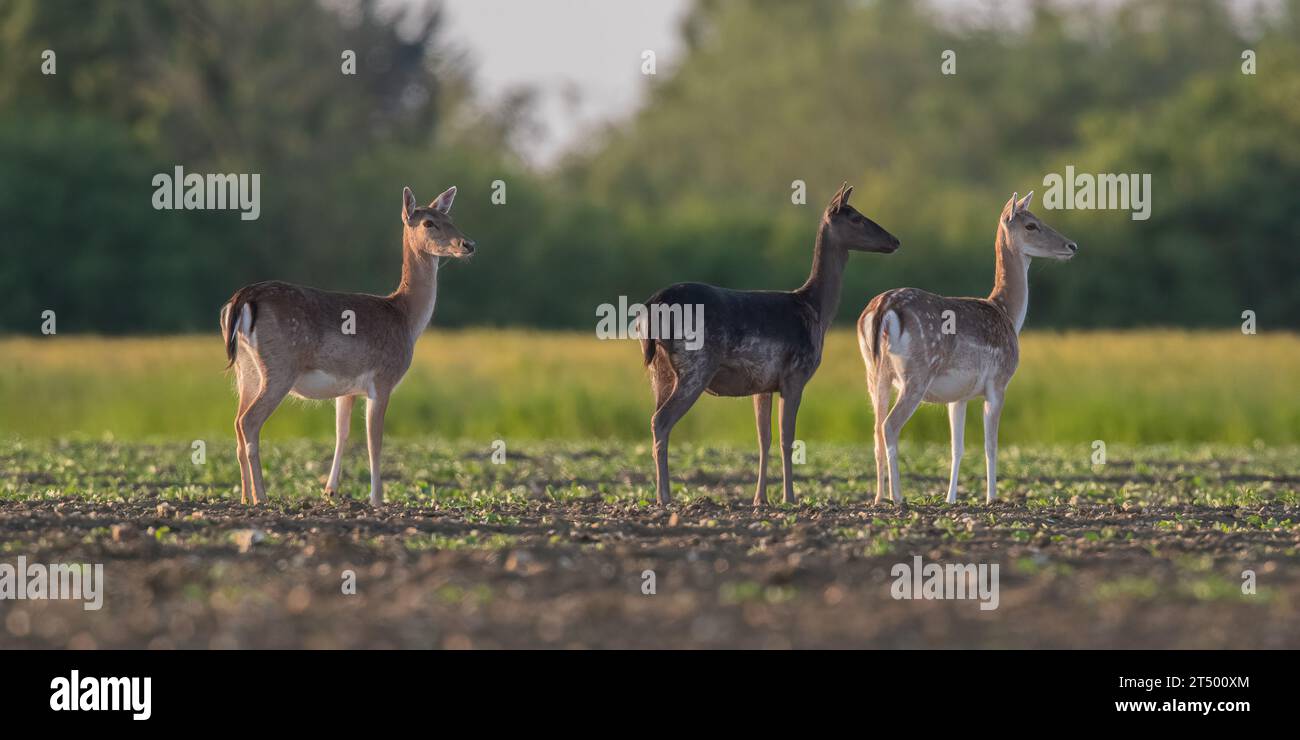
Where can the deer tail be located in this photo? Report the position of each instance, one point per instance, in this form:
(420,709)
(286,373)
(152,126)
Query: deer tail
(237,316)
(885,322)
(648,350)
(875,333)
(647,341)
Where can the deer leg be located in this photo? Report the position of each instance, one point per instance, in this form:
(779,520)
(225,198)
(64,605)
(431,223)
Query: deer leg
(241,452)
(375,408)
(273,391)
(789,410)
(908,401)
(246,382)
(688,388)
(957,423)
(342,420)
(880,397)
(763,420)
(662,381)
(992,414)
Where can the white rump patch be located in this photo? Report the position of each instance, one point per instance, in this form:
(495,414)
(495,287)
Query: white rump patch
(246,324)
(892,327)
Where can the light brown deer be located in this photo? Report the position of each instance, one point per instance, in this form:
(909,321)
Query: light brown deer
(317,344)
(950,350)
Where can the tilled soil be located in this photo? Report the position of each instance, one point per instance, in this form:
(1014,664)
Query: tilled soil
(546,573)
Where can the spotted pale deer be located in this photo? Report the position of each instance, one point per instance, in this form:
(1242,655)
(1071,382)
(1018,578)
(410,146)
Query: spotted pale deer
(756,343)
(950,350)
(283,338)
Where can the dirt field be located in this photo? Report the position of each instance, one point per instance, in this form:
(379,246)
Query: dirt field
(550,549)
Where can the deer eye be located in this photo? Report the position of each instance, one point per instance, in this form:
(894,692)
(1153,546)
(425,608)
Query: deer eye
(428,224)
(1031,226)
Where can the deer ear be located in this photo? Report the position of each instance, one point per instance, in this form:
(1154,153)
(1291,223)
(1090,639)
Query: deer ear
(1009,210)
(443,202)
(1024,202)
(840,198)
(408,204)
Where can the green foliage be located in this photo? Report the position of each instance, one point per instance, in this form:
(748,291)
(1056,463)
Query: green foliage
(246,87)
(833,90)
(695,185)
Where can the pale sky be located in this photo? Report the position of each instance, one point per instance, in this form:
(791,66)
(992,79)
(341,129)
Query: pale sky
(582,56)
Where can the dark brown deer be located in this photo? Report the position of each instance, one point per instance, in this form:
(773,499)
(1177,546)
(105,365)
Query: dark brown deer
(283,338)
(756,343)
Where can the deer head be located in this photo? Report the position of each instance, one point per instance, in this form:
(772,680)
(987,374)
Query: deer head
(1030,236)
(849,229)
(430,230)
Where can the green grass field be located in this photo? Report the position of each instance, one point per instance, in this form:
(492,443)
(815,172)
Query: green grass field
(1119,387)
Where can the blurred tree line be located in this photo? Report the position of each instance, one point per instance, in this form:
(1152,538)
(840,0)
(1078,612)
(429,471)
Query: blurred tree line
(695,185)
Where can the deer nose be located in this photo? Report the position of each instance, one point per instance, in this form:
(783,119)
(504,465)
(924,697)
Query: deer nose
(1072,246)
(467,245)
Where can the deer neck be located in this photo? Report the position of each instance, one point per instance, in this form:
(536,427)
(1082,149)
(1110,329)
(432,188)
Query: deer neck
(418,291)
(1011,280)
(822,289)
